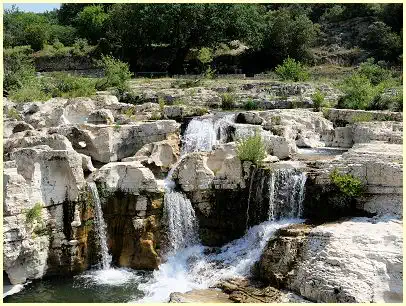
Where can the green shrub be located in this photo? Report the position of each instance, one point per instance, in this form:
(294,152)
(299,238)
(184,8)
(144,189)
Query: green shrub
(18,67)
(62,84)
(250,104)
(387,102)
(200,111)
(34,213)
(161,103)
(205,57)
(31,91)
(318,100)
(375,73)
(358,92)
(251,149)
(227,101)
(347,183)
(116,73)
(290,70)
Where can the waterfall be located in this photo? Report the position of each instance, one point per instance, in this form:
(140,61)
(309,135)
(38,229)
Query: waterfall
(286,193)
(203,134)
(100,227)
(179,216)
(275,195)
(196,267)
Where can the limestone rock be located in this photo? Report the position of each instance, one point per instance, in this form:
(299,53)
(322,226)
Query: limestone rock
(339,262)
(161,154)
(102,116)
(10,127)
(131,177)
(55,141)
(107,143)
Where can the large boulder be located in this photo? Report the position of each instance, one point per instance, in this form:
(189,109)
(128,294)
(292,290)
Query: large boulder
(130,177)
(339,262)
(106,143)
(159,156)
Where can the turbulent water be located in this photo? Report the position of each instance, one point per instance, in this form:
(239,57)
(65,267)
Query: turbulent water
(100,227)
(192,268)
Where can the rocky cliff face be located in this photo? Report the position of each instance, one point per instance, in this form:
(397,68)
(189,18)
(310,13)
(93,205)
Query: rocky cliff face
(358,260)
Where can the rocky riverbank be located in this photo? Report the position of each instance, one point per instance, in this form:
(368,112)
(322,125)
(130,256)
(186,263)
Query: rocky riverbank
(348,250)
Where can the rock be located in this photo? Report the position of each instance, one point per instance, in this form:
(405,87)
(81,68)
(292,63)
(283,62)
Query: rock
(193,172)
(200,296)
(12,127)
(131,177)
(106,143)
(102,116)
(181,111)
(159,156)
(378,165)
(51,176)
(55,141)
(338,262)
(249,117)
(388,131)
(87,163)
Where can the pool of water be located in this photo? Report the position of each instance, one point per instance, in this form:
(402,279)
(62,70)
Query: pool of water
(108,286)
(319,153)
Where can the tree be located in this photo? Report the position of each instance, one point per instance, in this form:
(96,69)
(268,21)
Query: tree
(133,28)
(289,36)
(91,22)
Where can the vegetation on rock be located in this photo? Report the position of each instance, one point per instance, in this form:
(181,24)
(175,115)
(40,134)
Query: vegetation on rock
(34,213)
(251,149)
(347,183)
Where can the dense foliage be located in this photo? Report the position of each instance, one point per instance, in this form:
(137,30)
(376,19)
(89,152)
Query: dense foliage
(347,183)
(274,31)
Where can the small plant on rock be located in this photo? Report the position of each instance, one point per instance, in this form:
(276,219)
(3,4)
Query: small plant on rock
(227,101)
(362,117)
(34,213)
(347,183)
(250,104)
(252,149)
(318,100)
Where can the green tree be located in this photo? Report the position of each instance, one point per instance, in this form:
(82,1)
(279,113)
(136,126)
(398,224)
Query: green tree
(288,35)
(91,22)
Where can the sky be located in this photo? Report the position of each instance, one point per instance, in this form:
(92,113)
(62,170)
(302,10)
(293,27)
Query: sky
(34,7)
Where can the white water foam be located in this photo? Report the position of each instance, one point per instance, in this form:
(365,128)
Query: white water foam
(110,277)
(190,268)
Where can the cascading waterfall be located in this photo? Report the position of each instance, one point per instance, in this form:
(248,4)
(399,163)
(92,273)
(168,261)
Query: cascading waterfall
(100,227)
(189,265)
(286,194)
(202,134)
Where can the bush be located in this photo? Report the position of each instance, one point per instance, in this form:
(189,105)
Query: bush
(18,67)
(227,101)
(116,74)
(318,100)
(65,85)
(34,213)
(387,102)
(30,91)
(358,92)
(347,183)
(251,149)
(250,105)
(290,70)
(375,73)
